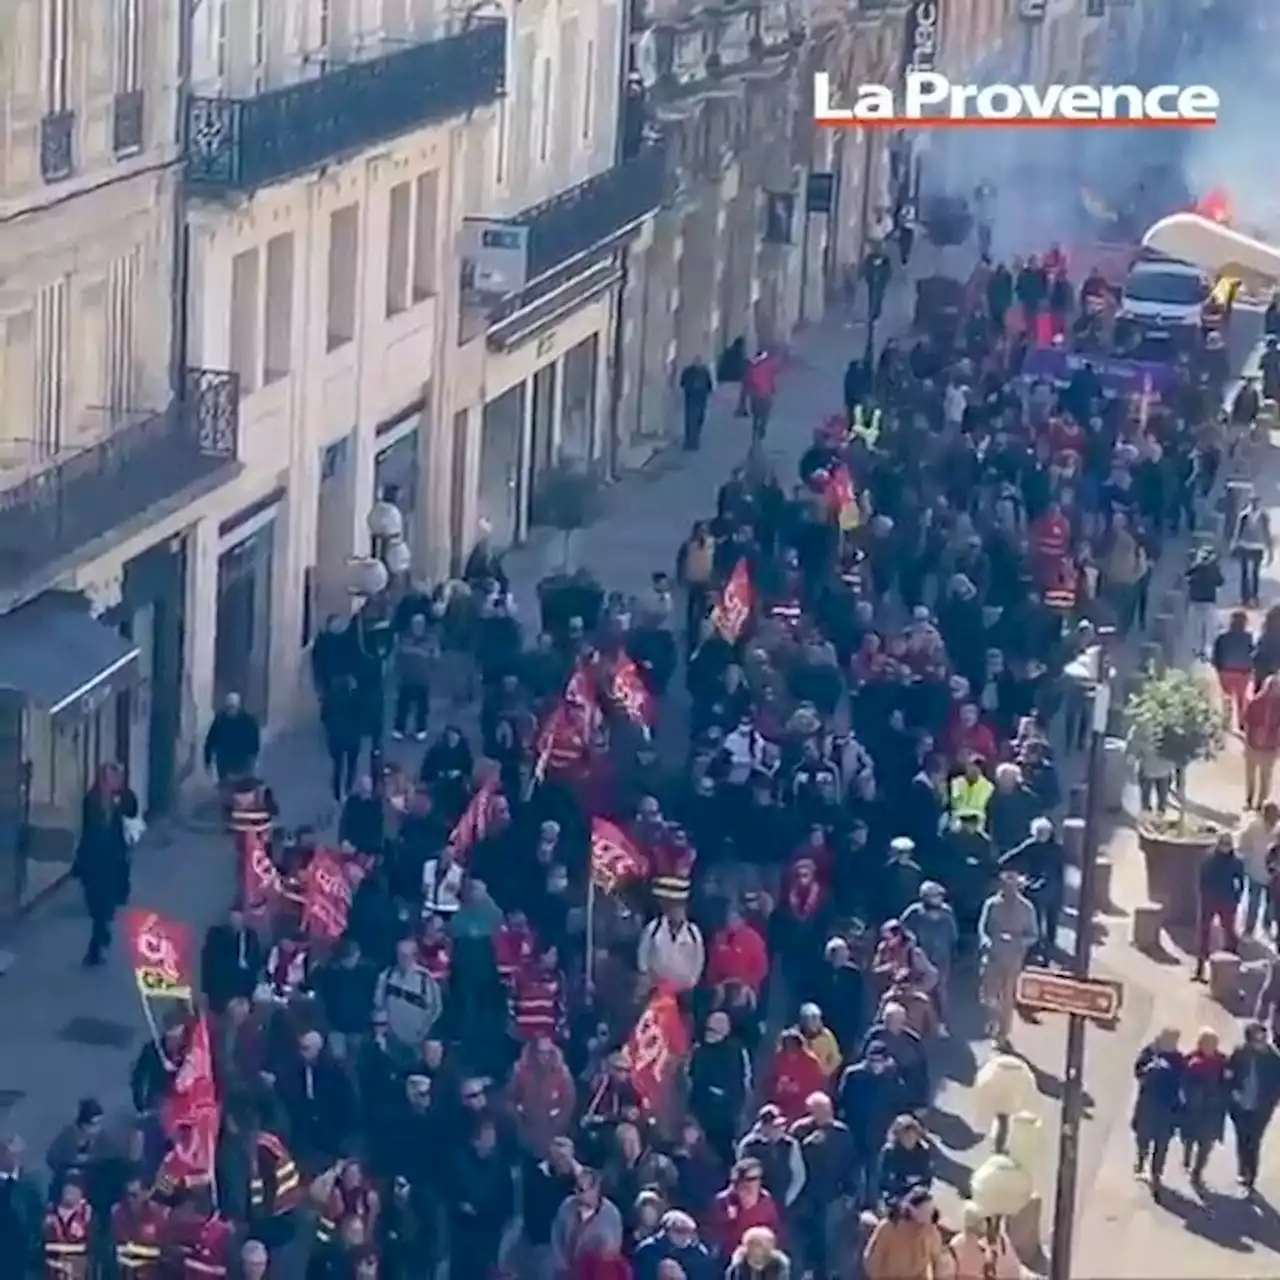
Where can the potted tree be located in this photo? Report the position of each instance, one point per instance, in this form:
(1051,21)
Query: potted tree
(565,499)
(1174,718)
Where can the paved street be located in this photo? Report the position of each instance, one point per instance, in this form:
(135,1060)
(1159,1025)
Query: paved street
(71,1033)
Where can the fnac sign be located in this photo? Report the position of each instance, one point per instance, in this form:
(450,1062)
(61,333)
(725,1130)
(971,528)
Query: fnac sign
(923,32)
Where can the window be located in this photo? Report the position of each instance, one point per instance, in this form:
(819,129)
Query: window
(17,388)
(544,95)
(57,55)
(426,220)
(1170,288)
(52,322)
(398,220)
(344,249)
(122,344)
(277,316)
(244,319)
(589,92)
(128,46)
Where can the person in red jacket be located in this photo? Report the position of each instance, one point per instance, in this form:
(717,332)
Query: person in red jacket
(742,1205)
(793,1075)
(737,954)
(514,946)
(1261,743)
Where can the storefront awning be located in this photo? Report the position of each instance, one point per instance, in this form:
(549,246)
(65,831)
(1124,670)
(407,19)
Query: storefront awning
(54,653)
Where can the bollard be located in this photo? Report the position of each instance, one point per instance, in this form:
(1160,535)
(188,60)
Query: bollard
(1148,924)
(1073,840)
(1224,978)
(1102,884)
(1077,800)
(1115,773)
(1174,603)
(1164,631)
(1151,657)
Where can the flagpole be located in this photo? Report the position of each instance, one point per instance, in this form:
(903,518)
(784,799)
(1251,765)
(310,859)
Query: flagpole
(590,959)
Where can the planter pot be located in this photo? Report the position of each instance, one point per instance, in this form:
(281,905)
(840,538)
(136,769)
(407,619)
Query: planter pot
(1173,871)
(562,598)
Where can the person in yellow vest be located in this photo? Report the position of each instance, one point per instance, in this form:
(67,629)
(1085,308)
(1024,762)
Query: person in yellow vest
(864,425)
(971,793)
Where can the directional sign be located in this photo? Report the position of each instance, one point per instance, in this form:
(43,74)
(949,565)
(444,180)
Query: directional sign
(1046,991)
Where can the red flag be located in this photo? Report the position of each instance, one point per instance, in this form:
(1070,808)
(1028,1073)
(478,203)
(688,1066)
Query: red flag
(326,897)
(733,609)
(615,856)
(656,1050)
(582,700)
(261,885)
(564,739)
(190,1114)
(160,954)
(630,693)
(476,818)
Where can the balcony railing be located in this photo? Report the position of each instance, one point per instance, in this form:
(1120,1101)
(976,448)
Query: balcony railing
(61,510)
(240,144)
(127,122)
(57,145)
(575,221)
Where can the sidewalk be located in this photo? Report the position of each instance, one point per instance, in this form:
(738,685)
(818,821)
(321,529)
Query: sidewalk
(70,1033)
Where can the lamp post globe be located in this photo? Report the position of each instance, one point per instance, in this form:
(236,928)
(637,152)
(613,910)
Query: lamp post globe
(1001,1187)
(369,577)
(1005,1085)
(396,556)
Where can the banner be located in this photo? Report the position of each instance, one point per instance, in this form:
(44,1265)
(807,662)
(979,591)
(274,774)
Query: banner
(733,609)
(190,1114)
(656,1050)
(1118,377)
(161,955)
(327,897)
(261,885)
(476,818)
(615,856)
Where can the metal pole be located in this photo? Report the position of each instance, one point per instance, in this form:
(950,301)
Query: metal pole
(804,249)
(1064,1203)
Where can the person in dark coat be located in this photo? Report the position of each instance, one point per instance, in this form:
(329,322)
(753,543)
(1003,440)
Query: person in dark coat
(1253,1080)
(906,1161)
(1158,1070)
(230,961)
(719,1076)
(871,1094)
(102,856)
(232,744)
(1205,1098)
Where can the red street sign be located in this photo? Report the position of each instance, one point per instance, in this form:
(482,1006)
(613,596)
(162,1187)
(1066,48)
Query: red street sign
(1047,991)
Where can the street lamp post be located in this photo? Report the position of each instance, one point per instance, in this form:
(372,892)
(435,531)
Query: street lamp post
(375,579)
(1064,1201)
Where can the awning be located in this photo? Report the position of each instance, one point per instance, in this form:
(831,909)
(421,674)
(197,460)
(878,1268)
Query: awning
(53,652)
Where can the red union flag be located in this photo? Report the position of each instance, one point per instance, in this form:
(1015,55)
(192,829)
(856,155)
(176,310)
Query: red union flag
(160,953)
(477,818)
(260,882)
(190,1114)
(581,700)
(656,1050)
(629,691)
(615,856)
(733,609)
(326,899)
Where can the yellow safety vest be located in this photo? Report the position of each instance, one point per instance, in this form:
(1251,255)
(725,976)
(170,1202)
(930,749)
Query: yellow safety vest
(971,798)
(865,426)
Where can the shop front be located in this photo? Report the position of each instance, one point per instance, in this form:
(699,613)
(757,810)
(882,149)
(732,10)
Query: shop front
(246,566)
(69,698)
(543,409)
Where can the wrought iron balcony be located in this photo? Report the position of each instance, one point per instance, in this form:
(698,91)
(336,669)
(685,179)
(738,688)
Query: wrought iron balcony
(59,511)
(573,222)
(57,145)
(240,144)
(127,122)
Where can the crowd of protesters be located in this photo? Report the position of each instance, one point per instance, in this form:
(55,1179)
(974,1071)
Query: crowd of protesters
(576,1002)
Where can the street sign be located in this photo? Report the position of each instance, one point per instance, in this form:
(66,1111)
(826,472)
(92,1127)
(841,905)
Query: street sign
(1047,991)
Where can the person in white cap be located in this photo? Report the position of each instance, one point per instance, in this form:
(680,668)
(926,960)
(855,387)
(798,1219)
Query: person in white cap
(1041,861)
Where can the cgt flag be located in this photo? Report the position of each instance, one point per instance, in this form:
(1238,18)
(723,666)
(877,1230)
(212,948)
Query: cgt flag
(261,885)
(656,1050)
(472,827)
(615,856)
(733,609)
(326,900)
(630,694)
(160,954)
(191,1115)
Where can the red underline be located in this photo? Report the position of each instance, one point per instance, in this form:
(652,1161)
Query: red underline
(1017,122)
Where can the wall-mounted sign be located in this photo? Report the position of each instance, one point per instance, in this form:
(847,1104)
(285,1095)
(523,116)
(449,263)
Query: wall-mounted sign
(495,256)
(1033,10)
(820,193)
(924,33)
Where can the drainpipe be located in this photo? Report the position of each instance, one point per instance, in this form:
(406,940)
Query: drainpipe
(180,280)
(617,377)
